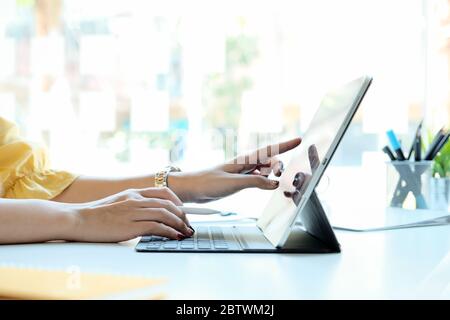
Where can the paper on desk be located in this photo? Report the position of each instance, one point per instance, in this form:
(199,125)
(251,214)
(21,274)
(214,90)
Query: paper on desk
(37,284)
(351,220)
(390,219)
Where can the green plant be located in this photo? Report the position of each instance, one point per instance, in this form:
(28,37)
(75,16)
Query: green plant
(223,91)
(441,164)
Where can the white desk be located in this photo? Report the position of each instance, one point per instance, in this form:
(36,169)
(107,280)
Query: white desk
(409,263)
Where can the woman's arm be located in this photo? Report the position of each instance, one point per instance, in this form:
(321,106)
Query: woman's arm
(122,216)
(86,189)
(249,171)
(23,221)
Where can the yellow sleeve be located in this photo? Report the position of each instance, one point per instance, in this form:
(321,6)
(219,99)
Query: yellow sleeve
(24,168)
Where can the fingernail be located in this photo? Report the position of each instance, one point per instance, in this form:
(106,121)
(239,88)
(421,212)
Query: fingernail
(180,236)
(190,232)
(275,183)
(190,227)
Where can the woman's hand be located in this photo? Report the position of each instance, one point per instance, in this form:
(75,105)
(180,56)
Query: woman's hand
(246,171)
(130,214)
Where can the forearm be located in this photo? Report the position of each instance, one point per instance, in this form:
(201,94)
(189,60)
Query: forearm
(86,189)
(27,221)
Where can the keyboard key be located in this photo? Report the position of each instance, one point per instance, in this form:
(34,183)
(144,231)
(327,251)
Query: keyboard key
(203,236)
(202,230)
(173,244)
(202,233)
(217,234)
(154,245)
(219,240)
(203,245)
(187,245)
(216,239)
(220,245)
(146,238)
(204,239)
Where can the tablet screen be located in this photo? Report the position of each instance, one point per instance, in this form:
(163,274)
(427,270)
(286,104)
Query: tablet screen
(319,141)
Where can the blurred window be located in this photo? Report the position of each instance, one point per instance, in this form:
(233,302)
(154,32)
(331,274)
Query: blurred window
(121,87)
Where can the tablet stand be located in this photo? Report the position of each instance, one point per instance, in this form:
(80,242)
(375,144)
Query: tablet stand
(316,236)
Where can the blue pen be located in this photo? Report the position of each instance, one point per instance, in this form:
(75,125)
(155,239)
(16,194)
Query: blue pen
(395,145)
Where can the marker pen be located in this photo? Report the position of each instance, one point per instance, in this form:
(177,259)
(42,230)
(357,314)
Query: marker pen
(388,151)
(395,145)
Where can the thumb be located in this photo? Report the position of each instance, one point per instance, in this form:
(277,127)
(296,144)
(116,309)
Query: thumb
(257,181)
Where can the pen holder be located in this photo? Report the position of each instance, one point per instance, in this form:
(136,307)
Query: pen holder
(440,194)
(408,184)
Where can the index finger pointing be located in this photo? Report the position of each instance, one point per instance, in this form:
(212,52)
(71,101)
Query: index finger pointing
(278,148)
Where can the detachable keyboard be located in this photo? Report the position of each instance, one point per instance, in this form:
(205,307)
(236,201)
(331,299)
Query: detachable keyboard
(204,239)
(212,239)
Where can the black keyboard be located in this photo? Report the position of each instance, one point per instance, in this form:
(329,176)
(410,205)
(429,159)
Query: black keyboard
(204,238)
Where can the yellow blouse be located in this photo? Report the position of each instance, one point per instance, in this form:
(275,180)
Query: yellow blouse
(24,168)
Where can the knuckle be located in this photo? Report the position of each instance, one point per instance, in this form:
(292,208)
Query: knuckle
(132,194)
(138,195)
(132,191)
(165,190)
(123,197)
(161,203)
(163,211)
(130,201)
(165,203)
(152,201)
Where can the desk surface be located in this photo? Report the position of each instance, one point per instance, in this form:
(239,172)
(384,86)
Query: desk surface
(408,263)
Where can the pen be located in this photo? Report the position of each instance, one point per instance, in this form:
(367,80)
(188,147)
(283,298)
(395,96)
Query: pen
(413,144)
(204,211)
(388,151)
(418,143)
(395,145)
(441,144)
(414,141)
(440,135)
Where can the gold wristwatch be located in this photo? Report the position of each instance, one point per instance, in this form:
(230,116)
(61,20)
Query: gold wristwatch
(161,176)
